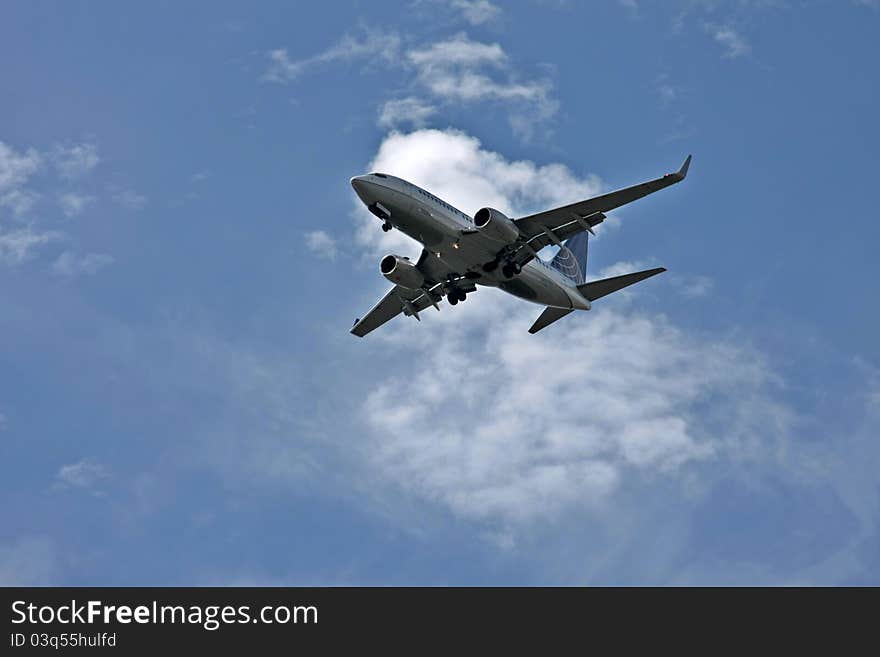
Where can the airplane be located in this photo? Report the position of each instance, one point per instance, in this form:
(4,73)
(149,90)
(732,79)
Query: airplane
(491,249)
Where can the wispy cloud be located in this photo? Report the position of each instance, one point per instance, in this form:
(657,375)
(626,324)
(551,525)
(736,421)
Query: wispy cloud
(476,12)
(370,45)
(130,199)
(19,245)
(72,204)
(631,6)
(70,264)
(321,244)
(411,111)
(734,44)
(453,71)
(463,71)
(85,474)
(20,201)
(16,168)
(667,92)
(74,160)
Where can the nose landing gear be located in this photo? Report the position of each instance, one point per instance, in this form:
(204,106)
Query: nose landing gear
(386,227)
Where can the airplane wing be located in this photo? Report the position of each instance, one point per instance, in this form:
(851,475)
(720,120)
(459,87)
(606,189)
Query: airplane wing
(408,301)
(540,229)
(391,305)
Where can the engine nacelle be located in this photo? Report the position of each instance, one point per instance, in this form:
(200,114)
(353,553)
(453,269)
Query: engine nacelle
(401,271)
(495,225)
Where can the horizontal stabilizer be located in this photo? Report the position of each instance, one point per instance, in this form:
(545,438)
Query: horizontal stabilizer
(598,289)
(547,317)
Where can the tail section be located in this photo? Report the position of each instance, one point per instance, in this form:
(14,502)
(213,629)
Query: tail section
(598,289)
(571,261)
(592,291)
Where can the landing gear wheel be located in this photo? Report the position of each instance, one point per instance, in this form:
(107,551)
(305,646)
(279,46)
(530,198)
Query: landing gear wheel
(386,227)
(461,294)
(452,297)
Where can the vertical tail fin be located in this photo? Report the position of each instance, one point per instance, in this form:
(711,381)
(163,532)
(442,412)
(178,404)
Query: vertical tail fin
(571,261)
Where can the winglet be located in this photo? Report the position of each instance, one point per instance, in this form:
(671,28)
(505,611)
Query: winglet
(683,172)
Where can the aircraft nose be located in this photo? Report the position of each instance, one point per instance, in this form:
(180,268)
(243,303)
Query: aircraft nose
(361,187)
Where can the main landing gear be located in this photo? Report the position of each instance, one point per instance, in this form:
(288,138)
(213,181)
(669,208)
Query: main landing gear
(509,269)
(386,227)
(455,295)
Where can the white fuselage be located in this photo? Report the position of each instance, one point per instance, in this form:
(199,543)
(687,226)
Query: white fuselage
(438,226)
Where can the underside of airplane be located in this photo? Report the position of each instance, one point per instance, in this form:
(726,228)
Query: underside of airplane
(490,249)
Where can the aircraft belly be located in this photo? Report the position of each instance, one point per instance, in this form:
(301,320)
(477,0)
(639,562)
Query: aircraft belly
(533,286)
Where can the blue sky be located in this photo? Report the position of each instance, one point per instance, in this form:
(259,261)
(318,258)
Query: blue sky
(181,257)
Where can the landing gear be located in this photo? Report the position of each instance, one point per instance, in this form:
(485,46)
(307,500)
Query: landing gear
(386,227)
(455,295)
(511,269)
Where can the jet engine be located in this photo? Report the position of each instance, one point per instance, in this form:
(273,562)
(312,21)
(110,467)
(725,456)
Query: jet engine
(401,271)
(496,226)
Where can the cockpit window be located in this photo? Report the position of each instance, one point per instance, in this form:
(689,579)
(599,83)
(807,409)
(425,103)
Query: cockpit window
(380,175)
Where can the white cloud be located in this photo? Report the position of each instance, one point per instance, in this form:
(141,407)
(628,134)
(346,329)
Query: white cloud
(321,244)
(513,427)
(72,204)
(70,264)
(83,474)
(18,246)
(735,45)
(505,428)
(75,160)
(405,111)
(373,44)
(460,70)
(477,12)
